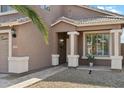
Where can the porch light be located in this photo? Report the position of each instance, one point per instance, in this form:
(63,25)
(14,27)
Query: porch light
(61,43)
(61,40)
(13,33)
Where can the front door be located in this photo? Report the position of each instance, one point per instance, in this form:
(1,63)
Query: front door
(62,47)
(3,52)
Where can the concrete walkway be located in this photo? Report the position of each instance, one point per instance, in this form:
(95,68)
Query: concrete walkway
(7,80)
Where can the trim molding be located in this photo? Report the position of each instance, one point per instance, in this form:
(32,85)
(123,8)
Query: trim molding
(106,58)
(116,30)
(8,12)
(63,21)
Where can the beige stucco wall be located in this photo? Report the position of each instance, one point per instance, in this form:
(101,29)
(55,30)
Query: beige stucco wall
(80,44)
(49,17)
(56,12)
(76,12)
(71,11)
(54,43)
(30,42)
(63,27)
(9,17)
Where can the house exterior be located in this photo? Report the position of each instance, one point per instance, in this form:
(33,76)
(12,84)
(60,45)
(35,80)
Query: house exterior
(74,32)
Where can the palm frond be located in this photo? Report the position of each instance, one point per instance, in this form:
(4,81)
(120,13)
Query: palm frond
(29,12)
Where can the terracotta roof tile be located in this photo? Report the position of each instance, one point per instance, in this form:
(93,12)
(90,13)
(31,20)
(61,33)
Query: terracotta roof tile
(100,19)
(92,20)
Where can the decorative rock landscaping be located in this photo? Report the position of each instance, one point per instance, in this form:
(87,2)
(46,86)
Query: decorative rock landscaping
(73,78)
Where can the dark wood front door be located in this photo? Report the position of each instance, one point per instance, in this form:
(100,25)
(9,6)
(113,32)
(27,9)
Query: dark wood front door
(62,47)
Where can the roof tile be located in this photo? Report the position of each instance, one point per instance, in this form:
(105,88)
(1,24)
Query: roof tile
(92,20)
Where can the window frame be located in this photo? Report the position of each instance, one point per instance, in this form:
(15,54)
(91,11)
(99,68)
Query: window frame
(7,12)
(45,7)
(110,44)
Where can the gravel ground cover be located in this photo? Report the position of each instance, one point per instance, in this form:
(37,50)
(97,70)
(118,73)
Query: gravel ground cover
(74,78)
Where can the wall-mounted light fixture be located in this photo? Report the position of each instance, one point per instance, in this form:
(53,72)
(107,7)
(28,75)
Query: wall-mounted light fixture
(61,40)
(13,32)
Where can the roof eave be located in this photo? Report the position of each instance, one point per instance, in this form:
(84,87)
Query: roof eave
(10,24)
(90,24)
(64,22)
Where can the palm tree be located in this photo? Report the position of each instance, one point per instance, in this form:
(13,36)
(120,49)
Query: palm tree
(29,12)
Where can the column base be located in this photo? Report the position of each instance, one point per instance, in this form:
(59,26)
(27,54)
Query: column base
(116,62)
(73,60)
(55,59)
(18,64)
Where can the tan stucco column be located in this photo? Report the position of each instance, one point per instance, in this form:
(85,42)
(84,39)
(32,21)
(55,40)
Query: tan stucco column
(116,59)
(73,42)
(55,56)
(73,57)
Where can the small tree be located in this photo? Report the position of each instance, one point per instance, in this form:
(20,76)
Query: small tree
(29,12)
(90,58)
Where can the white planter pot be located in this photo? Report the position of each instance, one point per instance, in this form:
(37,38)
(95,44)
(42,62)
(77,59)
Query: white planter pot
(91,64)
(73,60)
(55,60)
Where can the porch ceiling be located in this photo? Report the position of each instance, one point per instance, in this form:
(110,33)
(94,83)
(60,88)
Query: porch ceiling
(100,20)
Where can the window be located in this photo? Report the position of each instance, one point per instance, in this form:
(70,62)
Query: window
(46,7)
(5,8)
(97,44)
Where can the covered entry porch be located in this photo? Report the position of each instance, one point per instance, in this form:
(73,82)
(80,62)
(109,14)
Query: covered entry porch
(72,49)
(107,53)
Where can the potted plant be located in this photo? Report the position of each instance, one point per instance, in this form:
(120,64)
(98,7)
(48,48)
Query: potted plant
(90,59)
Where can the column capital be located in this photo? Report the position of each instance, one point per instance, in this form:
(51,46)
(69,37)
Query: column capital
(73,33)
(116,30)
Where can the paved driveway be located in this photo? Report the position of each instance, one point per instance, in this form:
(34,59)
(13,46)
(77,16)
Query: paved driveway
(8,80)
